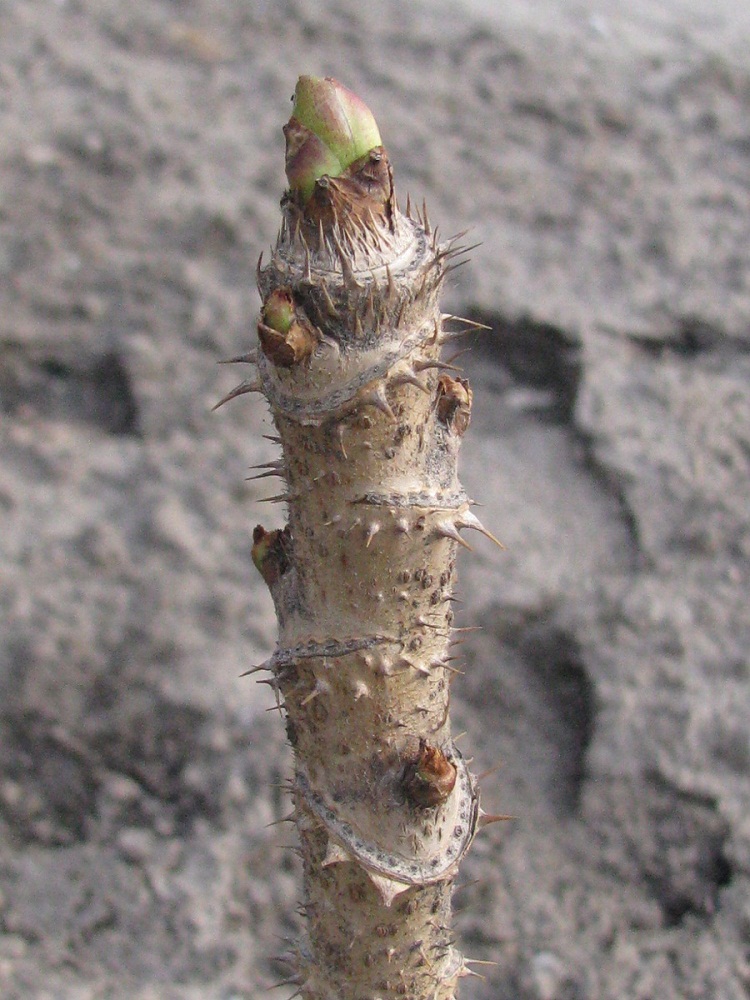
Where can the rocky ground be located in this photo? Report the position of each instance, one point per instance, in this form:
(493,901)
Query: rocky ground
(609,184)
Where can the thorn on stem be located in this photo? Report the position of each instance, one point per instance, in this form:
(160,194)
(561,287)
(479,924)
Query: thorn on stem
(447,529)
(242,359)
(370,532)
(240,390)
(469,520)
(487,819)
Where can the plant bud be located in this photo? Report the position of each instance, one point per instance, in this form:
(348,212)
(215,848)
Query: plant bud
(270,553)
(429,780)
(454,403)
(278,311)
(330,129)
(285,337)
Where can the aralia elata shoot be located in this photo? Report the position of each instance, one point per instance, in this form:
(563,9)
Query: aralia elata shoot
(370,416)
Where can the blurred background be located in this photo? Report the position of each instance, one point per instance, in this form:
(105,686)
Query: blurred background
(601,157)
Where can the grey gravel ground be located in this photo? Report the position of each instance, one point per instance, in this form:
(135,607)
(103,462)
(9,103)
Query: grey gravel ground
(605,166)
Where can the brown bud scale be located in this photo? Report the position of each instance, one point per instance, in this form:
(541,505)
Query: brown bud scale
(430,778)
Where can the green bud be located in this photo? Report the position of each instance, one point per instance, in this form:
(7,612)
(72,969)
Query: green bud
(330,129)
(278,311)
(285,337)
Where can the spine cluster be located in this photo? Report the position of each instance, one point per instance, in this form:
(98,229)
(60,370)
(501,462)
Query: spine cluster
(369,418)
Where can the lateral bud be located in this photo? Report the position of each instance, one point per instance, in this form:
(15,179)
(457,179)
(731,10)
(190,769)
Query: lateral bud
(454,403)
(286,337)
(270,553)
(430,778)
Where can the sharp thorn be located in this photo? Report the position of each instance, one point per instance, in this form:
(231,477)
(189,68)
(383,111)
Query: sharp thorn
(421,620)
(471,882)
(346,268)
(340,430)
(268,465)
(453,670)
(242,359)
(240,390)
(447,529)
(409,378)
(455,267)
(254,670)
(470,972)
(489,771)
(329,304)
(487,819)
(370,533)
(471,323)
(441,366)
(285,982)
(469,520)
(376,397)
(284,819)
(265,475)
(308,272)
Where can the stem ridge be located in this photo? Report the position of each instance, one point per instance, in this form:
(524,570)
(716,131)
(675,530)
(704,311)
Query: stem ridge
(453,832)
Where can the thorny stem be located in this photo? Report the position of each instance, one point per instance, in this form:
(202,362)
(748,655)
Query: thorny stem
(370,421)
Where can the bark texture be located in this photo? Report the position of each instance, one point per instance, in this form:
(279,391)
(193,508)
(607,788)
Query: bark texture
(370,421)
